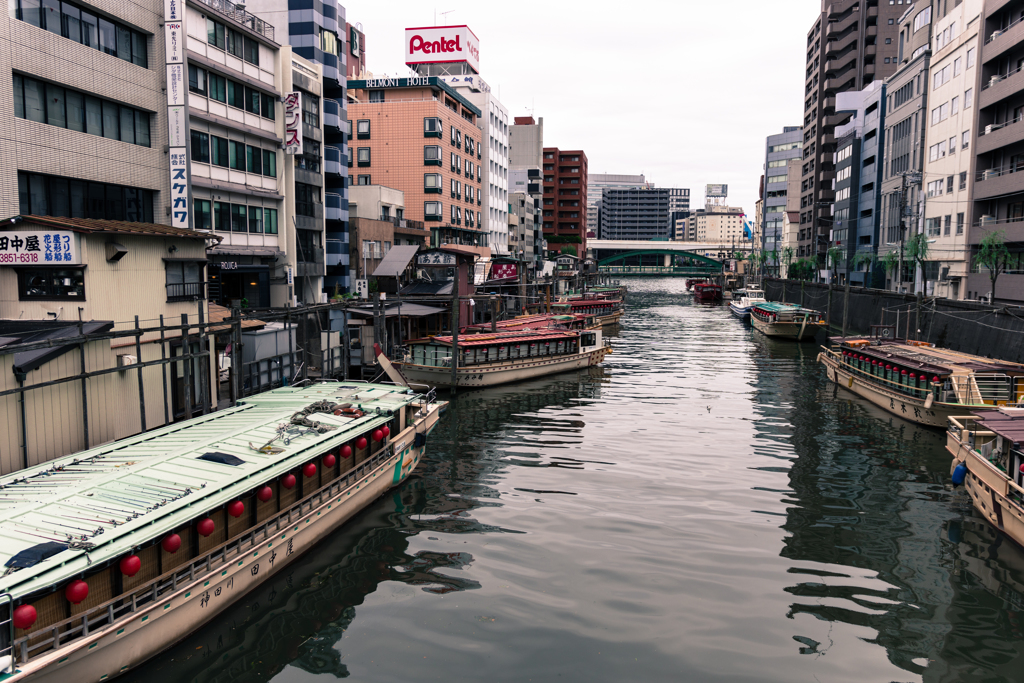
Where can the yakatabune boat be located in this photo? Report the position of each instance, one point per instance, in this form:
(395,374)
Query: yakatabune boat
(919,382)
(707,292)
(605,310)
(988,459)
(790,321)
(542,321)
(115,553)
(489,359)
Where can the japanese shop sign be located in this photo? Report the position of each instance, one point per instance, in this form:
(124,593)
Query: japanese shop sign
(504,271)
(293,123)
(179,187)
(435,259)
(41,247)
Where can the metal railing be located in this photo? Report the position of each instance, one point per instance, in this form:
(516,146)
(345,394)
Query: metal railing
(186,291)
(250,21)
(110,612)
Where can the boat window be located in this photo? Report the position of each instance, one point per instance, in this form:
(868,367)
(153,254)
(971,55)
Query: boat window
(502,352)
(561,347)
(588,339)
(533,350)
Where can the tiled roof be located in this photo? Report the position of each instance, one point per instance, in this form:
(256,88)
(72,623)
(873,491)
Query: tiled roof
(96,225)
(509,337)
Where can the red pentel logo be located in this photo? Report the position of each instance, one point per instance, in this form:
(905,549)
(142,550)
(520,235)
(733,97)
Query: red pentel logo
(431,47)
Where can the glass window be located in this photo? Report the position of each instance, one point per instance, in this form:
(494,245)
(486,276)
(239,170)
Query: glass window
(215,33)
(267,106)
(251,51)
(255,219)
(111,117)
(35,109)
(219,151)
(363,129)
(76,111)
(203,219)
(90,30)
(114,204)
(124,43)
(364,156)
(432,153)
(72,23)
(140,50)
(970,58)
(196,80)
(93,116)
(31,12)
(233,42)
(236,155)
(57,193)
(222,216)
(51,16)
(270,163)
(236,94)
(55,105)
(108,37)
(252,101)
(431,181)
(200,147)
(239,218)
(19,97)
(968,98)
(365,180)
(216,87)
(432,127)
(128,125)
(254,160)
(311,110)
(51,284)
(270,221)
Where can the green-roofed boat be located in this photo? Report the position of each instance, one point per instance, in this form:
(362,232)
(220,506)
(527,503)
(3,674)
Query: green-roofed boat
(789,321)
(115,553)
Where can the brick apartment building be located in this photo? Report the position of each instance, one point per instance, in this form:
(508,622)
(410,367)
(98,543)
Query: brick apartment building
(565,197)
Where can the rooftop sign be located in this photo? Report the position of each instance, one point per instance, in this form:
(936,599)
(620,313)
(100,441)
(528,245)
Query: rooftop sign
(442,45)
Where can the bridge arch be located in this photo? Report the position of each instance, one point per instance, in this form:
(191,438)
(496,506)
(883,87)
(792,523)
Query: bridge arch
(689,255)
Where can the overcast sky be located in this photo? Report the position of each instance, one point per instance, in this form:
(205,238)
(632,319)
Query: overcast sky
(684,92)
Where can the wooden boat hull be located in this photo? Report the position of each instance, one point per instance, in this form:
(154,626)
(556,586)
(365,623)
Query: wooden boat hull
(609,320)
(785,330)
(113,650)
(989,489)
(902,405)
(491,374)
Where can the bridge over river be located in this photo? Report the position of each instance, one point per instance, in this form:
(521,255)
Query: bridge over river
(685,259)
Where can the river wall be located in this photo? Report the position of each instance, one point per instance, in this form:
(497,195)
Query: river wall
(995,332)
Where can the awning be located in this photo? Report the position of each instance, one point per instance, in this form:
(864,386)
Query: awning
(228,250)
(46,330)
(408,311)
(396,260)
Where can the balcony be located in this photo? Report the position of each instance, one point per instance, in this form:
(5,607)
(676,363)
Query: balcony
(332,114)
(992,7)
(997,182)
(998,88)
(238,13)
(186,291)
(1001,135)
(833,120)
(871,32)
(332,207)
(998,43)
(332,161)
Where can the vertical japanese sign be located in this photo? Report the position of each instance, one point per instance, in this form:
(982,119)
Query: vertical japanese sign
(177,113)
(293,123)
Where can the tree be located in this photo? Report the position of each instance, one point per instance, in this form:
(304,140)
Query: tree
(787,258)
(569,250)
(802,269)
(832,257)
(891,263)
(917,251)
(993,255)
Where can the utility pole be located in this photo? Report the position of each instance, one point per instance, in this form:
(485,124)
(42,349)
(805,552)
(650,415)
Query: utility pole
(455,330)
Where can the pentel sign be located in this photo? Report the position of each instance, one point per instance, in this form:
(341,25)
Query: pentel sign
(441,44)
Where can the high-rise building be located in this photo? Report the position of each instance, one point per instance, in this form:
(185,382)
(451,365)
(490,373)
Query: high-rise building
(998,141)
(779,149)
(319,36)
(678,207)
(526,151)
(597,183)
(565,198)
(717,223)
(526,143)
(637,213)
(850,44)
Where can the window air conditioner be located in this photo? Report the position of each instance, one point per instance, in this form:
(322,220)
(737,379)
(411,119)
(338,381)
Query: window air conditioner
(995,34)
(987,219)
(988,129)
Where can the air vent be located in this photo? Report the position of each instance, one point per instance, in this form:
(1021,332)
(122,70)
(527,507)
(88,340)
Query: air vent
(222,458)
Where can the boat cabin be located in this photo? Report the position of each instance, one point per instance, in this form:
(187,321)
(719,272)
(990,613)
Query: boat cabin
(502,347)
(997,436)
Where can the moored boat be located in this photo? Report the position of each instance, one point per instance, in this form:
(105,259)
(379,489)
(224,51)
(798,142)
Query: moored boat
(488,359)
(540,321)
(788,321)
(920,382)
(115,553)
(988,459)
(741,307)
(707,292)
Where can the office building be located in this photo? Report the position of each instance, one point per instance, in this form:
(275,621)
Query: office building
(779,150)
(526,143)
(635,214)
(998,192)
(565,195)
(678,206)
(850,44)
(717,224)
(597,183)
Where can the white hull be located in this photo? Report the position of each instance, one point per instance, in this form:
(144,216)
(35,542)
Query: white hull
(785,329)
(989,489)
(491,374)
(741,312)
(130,641)
(908,407)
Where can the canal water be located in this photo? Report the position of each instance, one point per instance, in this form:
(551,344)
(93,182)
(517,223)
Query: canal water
(704,507)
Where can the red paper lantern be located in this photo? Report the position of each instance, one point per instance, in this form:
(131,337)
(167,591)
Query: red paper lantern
(904,372)
(386,430)
(346,451)
(309,470)
(236,509)
(361,442)
(130,565)
(265,494)
(171,543)
(77,591)
(913,376)
(205,527)
(935,379)
(377,435)
(888,367)
(329,460)
(288,481)
(24,616)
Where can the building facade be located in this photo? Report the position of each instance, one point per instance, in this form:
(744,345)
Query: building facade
(635,214)
(720,224)
(597,183)
(565,175)
(779,149)
(850,44)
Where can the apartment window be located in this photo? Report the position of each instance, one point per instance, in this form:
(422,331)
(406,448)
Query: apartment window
(253,160)
(888,41)
(79,24)
(963,180)
(236,155)
(239,218)
(968,98)
(940,113)
(965,139)
(886,60)
(329,42)
(970,57)
(947,226)
(431,155)
(957,66)
(196,80)
(363,158)
(433,211)
(376,96)
(923,18)
(942,76)
(256,219)
(432,183)
(306,199)
(270,163)
(42,195)
(216,87)
(270,221)
(200,147)
(51,284)
(311,110)
(954,105)
(58,106)
(959,224)
(252,100)
(185,281)
(363,129)
(233,42)
(432,127)
(202,218)
(952,145)
(364,180)
(949,184)
(222,216)
(933,226)
(215,33)
(310,158)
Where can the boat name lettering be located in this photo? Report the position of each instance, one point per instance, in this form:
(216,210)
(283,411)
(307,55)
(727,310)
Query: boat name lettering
(400,446)
(255,569)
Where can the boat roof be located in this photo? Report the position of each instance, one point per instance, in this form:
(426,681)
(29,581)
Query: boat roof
(528,322)
(103,502)
(929,357)
(503,338)
(1006,422)
(780,307)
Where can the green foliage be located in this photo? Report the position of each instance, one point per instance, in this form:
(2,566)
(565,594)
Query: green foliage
(993,256)
(833,256)
(564,239)
(802,269)
(787,255)
(917,248)
(862,259)
(891,262)
(569,250)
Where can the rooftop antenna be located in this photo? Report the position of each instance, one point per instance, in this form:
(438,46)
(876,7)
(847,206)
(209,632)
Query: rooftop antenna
(444,16)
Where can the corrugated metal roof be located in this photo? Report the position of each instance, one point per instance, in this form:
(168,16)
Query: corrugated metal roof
(95,225)
(396,260)
(1006,422)
(114,497)
(505,337)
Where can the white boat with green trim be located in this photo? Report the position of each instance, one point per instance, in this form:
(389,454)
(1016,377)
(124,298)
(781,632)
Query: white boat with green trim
(115,553)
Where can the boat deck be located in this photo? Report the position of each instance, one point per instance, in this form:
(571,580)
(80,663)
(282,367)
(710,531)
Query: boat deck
(105,501)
